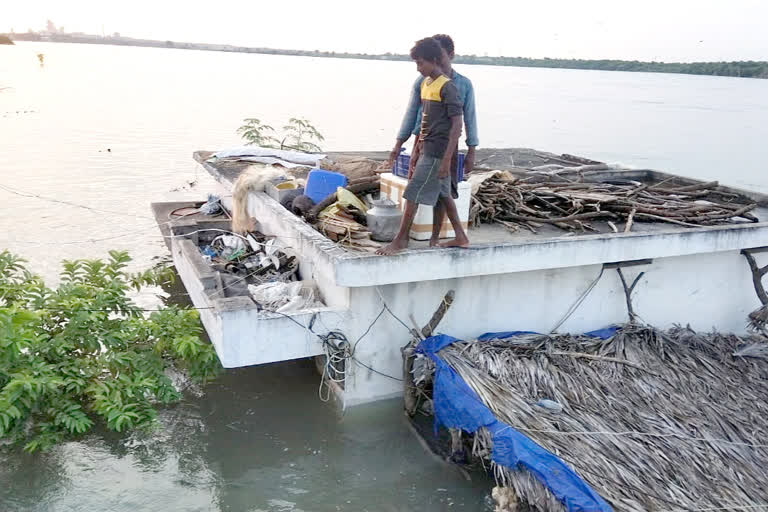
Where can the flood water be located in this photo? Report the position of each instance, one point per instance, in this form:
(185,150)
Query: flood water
(113,129)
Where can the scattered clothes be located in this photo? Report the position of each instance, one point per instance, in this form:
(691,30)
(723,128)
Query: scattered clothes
(270,156)
(268,160)
(283,297)
(346,199)
(229,247)
(301,205)
(287,200)
(212,206)
(208,251)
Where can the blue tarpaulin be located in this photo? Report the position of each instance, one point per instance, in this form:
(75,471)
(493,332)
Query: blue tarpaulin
(457,406)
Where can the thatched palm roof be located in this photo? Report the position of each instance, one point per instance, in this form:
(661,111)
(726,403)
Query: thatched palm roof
(652,420)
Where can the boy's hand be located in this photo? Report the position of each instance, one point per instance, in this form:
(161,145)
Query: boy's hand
(445,168)
(392,157)
(469,160)
(394,153)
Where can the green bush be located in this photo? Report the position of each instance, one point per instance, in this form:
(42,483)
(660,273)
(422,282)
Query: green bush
(85,352)
(298,134)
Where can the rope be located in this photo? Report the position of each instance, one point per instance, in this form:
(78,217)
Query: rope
(24,193)
(335,353)
(390,311)
(578,302)
(173,213)
(354,347)
(376,371)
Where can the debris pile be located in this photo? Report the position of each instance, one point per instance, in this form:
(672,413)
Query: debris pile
(282,297)
(341,215)
(531,200)
(252,257)
(337,212)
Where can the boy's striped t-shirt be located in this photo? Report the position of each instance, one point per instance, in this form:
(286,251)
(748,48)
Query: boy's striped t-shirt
(439,103)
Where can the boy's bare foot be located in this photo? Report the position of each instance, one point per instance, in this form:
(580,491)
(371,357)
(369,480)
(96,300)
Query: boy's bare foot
(394,247)
(434,241)
(462,242)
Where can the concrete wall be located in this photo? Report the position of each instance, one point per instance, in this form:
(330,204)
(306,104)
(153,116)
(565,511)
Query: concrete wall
(707,291)
(697,277)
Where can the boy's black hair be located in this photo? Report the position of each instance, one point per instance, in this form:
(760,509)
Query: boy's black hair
(428,49)
(445,41)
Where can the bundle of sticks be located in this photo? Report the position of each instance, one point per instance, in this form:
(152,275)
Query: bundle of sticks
(521,202)
(342,226)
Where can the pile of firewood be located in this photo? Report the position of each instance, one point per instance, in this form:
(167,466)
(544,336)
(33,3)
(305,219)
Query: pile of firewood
(519,202)
(342,227)
(346,224)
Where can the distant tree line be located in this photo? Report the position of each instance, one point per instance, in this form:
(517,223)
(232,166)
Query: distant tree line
(745,69)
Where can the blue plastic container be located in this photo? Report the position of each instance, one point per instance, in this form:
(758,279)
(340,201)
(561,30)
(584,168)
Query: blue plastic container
(400,168)
(322,183)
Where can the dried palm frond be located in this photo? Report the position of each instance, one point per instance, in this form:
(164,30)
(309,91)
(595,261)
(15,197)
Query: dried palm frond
(758,320)
(651,419)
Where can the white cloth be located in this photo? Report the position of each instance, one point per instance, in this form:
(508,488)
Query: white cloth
(283,297)
(270,160)
(261,155)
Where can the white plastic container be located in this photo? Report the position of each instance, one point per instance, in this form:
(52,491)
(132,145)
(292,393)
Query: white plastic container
(392,187)
(278,190)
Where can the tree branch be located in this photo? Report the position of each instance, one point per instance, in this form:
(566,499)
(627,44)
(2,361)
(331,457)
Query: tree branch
(757,276)
(628,293)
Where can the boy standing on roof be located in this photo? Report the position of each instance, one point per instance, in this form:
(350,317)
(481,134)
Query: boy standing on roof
(412,124)
(430,182)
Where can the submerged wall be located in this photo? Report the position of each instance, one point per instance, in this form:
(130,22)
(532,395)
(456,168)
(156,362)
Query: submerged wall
(707,291)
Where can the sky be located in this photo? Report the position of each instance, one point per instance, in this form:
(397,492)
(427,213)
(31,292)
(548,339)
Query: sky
(659,30)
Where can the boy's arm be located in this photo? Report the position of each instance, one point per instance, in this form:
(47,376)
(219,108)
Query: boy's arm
(470,122)
(453,140)
(409,121)
(470,116)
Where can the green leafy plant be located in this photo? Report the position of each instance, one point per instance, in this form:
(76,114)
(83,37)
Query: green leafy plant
(258,134)
(85,352)
(298,134)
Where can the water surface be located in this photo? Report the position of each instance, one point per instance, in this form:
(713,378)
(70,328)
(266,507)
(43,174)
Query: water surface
(113,128)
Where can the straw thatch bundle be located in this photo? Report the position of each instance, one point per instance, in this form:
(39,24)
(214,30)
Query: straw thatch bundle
(253,179)
(652,420)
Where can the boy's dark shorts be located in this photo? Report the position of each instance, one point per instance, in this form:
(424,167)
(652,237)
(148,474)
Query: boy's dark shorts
(425,187)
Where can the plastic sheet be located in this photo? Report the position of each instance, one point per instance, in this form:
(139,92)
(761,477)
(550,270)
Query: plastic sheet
(457,406)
